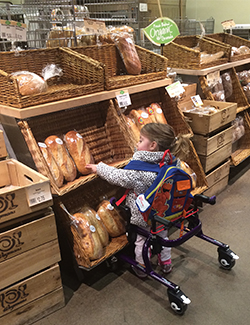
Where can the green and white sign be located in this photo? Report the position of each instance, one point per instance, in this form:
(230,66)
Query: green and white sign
(162,31)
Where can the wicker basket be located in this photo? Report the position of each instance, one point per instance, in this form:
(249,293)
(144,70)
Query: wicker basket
(181,53)
(154,66)
(231,41)
(90,195)
(243,144)
(238,96)
(99,125)
(81,75)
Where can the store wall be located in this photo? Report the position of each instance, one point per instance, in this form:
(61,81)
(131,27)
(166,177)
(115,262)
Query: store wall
(220,10)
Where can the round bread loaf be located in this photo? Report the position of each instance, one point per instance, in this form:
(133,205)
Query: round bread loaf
(29,83)
(113,222)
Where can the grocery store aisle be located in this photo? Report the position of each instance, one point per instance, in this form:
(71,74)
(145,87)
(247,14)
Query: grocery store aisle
(217,296)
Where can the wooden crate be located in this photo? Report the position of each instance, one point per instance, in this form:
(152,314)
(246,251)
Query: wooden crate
(23,190)
(190,90)
(217,157)
(218,179)
(35,297)
(28,248)
(205,124)
(205,145)
(3,150)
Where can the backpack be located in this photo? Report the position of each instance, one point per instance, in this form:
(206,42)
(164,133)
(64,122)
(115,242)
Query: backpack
(168,196)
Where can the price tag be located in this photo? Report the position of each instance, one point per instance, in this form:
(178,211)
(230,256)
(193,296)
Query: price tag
(143,7)
(123,98)
(21,32)
(228,24)
(197,101)
(213,78)
(7,29)
(93,26)
(175,89)
(38,193)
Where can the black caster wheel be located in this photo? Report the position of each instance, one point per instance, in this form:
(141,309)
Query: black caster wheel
(112,263)
(226,258)
(178,301)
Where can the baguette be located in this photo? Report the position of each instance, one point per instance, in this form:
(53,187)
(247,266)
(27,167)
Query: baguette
(158,113)
(79,151)
(89,238)
(113,222)
(131,124)
(140,117)
(61,156)
(53,167)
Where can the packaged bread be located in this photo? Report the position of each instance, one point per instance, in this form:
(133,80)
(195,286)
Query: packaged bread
(151,114)
(127,50)
(29,83)
(218,85)
(89,238)
(133,127)
(79,151)
(140,117)
(113,222)
(219,96)
(158,113)
(189,171)
(246,90)
(61,156)
(96,221)
(53,167)
(244,77)
(244,49)
(227,84)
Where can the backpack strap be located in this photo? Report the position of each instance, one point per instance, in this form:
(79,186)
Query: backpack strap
(142,165)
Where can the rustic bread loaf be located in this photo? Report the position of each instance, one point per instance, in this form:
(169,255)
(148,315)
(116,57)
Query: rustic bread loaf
(79,151)
(61,156)
(113,222)
(29,83)
(89,238)
(53,167)
(158,113)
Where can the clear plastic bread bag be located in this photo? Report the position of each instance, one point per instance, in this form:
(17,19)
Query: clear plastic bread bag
(227,84)
(29,83)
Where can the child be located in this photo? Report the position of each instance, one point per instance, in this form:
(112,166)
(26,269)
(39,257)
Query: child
(154,140)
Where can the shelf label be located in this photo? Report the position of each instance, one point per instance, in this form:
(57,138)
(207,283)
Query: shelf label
(38,193)
(213,78)
(175,89)
(197,101)
(228,24)
(143,7)
(21,32)
(7,29)
(93,26)
(123,98)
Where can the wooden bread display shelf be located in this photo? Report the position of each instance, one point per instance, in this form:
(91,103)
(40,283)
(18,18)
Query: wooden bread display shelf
(78,101)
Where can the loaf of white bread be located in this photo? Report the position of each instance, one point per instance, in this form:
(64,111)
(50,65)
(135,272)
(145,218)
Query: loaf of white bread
(79,151)
(112,220)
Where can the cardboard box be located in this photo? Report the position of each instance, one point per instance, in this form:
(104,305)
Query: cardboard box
(22,190)
(205,124)
(3,151)
(190,90)
(206,145)
(33,298)
(218,179)
(28,248)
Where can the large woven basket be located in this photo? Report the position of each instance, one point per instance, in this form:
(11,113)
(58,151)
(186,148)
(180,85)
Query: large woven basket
(90,195)
(238,96)
(81,75)
(231,41)
(99,125)
(154,66)
(185,52)
(243,144)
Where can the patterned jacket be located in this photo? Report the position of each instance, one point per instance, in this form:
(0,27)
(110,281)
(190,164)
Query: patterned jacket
(135,180)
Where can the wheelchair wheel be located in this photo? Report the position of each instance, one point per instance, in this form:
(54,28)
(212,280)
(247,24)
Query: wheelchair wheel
(177,303)
(225,259)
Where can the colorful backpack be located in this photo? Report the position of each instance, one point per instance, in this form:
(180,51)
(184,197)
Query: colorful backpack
(168,196)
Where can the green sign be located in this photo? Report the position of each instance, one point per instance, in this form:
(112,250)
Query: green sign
(162,31)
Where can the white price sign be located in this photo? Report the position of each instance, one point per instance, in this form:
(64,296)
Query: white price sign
(21,32)
(38,193)
(175,89)
(7,29)
(213,78)
(197,101)
(227,24)
(123,98)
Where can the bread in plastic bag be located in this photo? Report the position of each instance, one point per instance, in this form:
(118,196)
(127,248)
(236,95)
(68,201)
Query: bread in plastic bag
(29,83)
(219,96)
(227,84)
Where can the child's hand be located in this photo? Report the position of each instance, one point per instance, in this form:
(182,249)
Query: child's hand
(92,167)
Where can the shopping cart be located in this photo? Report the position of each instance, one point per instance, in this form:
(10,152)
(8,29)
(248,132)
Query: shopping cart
(191,226)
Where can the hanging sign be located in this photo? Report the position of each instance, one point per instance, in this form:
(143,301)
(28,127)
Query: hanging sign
(7,29)
(228,24)
(21,32)
(162,31)
(123,98)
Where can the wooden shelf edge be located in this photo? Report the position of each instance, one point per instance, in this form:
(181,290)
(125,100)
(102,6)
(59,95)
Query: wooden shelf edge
(60,105)
(239,156)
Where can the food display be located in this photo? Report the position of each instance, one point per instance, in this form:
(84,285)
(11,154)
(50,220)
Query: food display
(222,88)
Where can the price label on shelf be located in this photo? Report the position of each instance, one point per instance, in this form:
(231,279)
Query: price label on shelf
(21,32)
(175,89)
(93,26)
(213,77)
(38,193)
(123,98)
(7,29)
(197,101)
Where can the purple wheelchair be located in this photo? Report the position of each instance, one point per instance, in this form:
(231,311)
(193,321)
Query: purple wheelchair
(191,226)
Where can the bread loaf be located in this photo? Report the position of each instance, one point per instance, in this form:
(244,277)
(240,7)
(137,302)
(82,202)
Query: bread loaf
(96,221)
(53,167)
(158,113)
(29,83)
(227,84)
(134,129)
(89,238)
(113,222)
(140,117)
(189,171)
(79,151)
(126,47)
(61,156)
